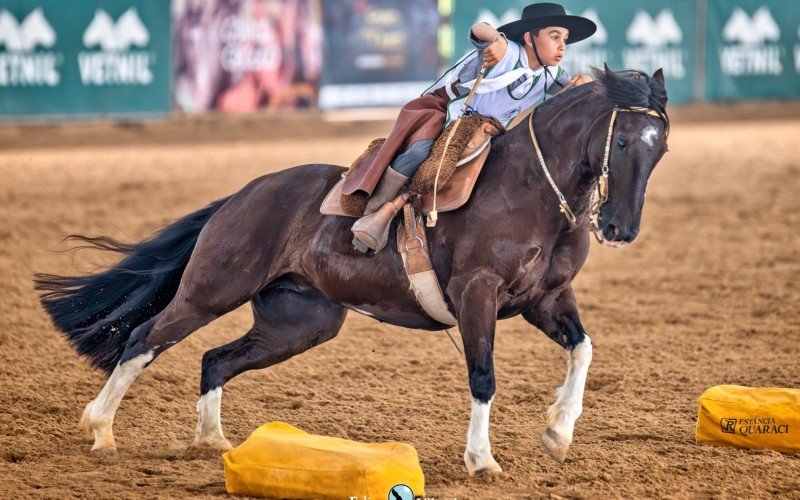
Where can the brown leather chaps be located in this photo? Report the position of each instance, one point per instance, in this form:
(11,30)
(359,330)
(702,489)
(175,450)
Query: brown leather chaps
(422,118)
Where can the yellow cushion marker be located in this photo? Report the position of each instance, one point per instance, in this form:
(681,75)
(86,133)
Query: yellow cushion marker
(749,417)
(281,461)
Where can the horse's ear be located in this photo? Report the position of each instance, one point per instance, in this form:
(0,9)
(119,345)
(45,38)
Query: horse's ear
(659,76)
(606,68)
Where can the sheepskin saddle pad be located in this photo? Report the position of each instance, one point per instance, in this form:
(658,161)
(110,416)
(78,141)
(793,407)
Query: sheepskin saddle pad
(463,160)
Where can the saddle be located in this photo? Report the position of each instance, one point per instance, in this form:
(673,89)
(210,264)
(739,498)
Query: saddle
(457,177)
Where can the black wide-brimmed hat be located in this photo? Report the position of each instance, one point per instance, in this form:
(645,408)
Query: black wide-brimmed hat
(542,15)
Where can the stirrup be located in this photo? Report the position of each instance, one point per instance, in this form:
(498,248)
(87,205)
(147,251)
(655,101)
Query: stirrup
(358,245)
(373,230)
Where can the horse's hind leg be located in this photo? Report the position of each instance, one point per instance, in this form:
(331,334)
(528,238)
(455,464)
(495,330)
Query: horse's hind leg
(287,321)
(148,340)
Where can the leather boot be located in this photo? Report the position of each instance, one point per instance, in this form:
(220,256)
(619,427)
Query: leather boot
(373,230)
(390,184)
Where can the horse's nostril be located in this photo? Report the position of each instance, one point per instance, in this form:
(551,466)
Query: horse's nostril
(610,232)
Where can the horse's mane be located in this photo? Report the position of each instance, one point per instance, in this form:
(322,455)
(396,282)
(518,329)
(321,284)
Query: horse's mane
(631,88)
(623,89)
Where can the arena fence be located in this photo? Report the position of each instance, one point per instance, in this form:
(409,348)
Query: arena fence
(134,58)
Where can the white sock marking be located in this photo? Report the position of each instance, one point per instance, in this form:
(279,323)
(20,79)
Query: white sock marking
(478,433)
(569,398)
(209,422)
(102,409)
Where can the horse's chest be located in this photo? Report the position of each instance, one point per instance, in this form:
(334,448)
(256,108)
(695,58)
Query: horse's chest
(529,273)
(539,271)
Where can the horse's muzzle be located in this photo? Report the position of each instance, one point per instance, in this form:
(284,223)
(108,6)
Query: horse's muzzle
(617,235)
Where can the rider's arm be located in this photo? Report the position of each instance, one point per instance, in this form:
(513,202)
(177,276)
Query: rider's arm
(488,40)
(472,67)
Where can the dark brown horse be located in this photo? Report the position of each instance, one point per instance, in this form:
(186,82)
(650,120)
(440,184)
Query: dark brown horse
(508,251)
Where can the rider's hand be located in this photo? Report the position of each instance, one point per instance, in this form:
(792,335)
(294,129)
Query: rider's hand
(579,80)
(494,52)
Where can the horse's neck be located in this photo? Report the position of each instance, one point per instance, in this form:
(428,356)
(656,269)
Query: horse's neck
(562,132)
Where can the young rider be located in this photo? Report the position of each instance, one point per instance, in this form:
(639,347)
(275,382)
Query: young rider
(521,61)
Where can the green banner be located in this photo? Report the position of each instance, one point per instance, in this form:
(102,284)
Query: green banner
(87,58)
(645,35)
(753,49)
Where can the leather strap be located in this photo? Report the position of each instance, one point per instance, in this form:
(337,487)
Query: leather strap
(413,247)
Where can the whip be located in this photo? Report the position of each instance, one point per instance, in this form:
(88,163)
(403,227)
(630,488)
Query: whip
(434,215)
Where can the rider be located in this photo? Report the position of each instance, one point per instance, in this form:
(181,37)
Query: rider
(522,58)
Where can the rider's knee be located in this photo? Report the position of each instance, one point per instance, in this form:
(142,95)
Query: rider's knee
(410,160)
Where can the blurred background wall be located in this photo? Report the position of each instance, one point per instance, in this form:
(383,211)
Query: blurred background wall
(144,58)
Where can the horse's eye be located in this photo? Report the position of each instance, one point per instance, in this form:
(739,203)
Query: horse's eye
(622,143)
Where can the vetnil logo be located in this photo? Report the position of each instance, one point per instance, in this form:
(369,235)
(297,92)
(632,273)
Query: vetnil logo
(797,53)
(589,52)
(752,47)
(21,64)
(113,58)
(655,42)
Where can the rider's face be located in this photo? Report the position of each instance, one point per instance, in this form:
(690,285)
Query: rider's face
(551,43)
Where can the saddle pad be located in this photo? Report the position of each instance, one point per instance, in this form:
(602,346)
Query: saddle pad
(750,417)
(281,461)
(451,196)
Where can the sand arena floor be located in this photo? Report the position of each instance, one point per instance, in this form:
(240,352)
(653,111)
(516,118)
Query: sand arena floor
(708,294)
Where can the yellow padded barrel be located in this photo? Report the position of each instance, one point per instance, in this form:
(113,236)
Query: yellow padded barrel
(750,417)
(281,461)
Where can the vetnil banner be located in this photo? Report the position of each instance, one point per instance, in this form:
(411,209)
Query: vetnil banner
(753,49)
(709,49)
(85,58)
(644,35)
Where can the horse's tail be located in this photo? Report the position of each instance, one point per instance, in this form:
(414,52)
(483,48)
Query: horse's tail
(98,312)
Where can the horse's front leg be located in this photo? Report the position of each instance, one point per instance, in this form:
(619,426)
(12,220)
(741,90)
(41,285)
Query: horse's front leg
(558,318)
(475,300)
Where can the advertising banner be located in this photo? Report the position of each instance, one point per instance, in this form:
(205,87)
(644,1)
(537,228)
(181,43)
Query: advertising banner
(85,58)
(378,52)
(645,35)
(753,49)
(239,56)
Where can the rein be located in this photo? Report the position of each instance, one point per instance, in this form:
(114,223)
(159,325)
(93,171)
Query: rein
(600,193)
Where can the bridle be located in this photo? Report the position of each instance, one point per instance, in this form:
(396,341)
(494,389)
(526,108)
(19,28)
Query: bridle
(600,193)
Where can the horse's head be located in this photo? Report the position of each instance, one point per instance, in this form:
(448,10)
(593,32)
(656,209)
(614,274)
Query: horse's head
(638,139)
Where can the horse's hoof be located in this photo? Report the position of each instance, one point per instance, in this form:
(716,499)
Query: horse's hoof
(484,468)
(489,469)
(555,445)
(103,452)
(218,445)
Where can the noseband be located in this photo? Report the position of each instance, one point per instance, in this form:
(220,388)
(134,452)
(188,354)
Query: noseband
(600,193)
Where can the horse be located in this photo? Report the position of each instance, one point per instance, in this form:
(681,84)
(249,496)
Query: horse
(508,251)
